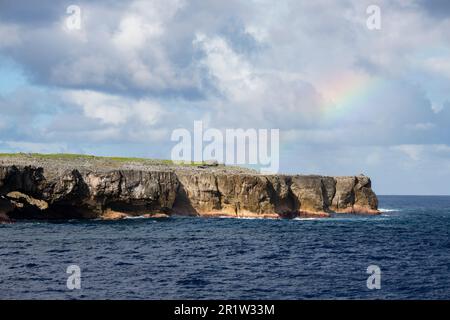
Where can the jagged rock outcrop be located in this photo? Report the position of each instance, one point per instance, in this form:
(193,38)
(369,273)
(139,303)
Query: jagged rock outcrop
(54,191)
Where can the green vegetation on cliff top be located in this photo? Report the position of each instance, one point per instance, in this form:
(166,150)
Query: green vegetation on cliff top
(72,156)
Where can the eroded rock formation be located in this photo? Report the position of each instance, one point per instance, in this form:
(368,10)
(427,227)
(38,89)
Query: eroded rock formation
(53,191)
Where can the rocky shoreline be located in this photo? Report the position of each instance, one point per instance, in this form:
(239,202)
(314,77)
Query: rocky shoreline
(33,187)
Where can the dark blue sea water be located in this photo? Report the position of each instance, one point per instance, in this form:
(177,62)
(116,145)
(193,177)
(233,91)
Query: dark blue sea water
(194,258)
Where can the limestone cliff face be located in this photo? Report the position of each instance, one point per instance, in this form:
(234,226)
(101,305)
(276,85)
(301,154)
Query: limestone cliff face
(42,192)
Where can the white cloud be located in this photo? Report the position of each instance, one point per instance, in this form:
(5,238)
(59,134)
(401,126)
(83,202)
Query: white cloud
(411,150)
(234,75)
(36,147)
(438,65)
(115,110)
(133,33)
(265,97)
(422,126)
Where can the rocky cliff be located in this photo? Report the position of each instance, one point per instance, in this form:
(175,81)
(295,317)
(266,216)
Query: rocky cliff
(44,188)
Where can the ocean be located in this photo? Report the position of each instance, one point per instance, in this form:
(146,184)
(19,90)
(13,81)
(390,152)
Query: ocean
(223,258)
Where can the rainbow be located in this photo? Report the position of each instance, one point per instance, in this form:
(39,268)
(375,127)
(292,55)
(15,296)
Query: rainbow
(347,94)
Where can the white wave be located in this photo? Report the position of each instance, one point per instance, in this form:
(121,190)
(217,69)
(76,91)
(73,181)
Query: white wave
(138,217)
(258,218)
(246,218)
(388,210)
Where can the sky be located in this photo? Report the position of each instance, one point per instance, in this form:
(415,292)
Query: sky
(347,99)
